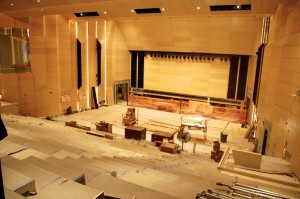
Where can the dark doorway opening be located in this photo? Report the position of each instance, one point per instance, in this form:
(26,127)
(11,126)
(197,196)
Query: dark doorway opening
(121,93)
(264,145)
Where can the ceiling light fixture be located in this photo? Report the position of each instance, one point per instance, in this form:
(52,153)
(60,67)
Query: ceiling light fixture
(11,4)
(163,9)
(105,12)
(132,10)
(198,7)
(38,1)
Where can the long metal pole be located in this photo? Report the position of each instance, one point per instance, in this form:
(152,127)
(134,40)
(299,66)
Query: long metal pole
(258,190)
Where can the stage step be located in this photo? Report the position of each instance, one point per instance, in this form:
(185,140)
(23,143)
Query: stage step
(16,181)
(76,165)
(8,147)
(30,152)
(61,154)
(42,177)
(9,194)
(58,169)
(64,188)
(123,189)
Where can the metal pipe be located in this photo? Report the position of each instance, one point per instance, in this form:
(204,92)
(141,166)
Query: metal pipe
(256,191)
(219,194)
(210,195)
(251,194)
(241,195)
(264,191)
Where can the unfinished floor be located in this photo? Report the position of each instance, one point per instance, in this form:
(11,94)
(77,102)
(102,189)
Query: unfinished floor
(124,168)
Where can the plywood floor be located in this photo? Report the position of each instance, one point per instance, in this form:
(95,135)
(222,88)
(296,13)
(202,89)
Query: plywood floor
(142,170)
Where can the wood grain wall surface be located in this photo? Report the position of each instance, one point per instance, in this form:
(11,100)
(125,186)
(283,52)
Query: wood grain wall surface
(183,75)
(214,34)
(278,110)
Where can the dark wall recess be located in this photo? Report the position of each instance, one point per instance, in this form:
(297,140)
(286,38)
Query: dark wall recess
(133,68)
(79,70)
(233,73)
(141,69)
(98,62)
(260,54)
(242,78)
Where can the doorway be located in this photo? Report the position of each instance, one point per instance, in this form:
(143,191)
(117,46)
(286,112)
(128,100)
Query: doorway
(121,92)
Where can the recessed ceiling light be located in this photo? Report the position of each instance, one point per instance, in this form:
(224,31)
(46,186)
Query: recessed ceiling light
(38,1)
(132,10)
(105,12)
(11,4)
(163,9)
(198,7)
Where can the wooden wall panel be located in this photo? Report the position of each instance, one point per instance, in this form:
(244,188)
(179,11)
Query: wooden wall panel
(9,87)
(208,78)
(226,35)
(280,78)
(118,58)
(26,94)
(6,21)
(64,63)
(52,70)
(83,98)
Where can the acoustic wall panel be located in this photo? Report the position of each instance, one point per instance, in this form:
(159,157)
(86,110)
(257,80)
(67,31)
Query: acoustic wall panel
(98,62)
(187,75)
(79,67)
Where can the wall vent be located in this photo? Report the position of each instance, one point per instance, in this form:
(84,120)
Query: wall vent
(147,10)
(86,14)
(230,7)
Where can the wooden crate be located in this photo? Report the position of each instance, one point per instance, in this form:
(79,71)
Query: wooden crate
(135,132)
(169,147)
(160,135)
(104,126)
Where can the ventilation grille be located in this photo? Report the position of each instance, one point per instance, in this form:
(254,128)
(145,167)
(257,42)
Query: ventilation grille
(86,14)
(147,10)
(230,7)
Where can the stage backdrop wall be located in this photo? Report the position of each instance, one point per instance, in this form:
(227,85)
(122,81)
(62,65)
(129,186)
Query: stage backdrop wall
(189,76)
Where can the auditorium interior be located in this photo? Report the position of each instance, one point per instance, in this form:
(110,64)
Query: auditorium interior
(143,99)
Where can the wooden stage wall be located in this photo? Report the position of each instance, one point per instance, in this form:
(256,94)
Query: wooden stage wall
(190,108)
